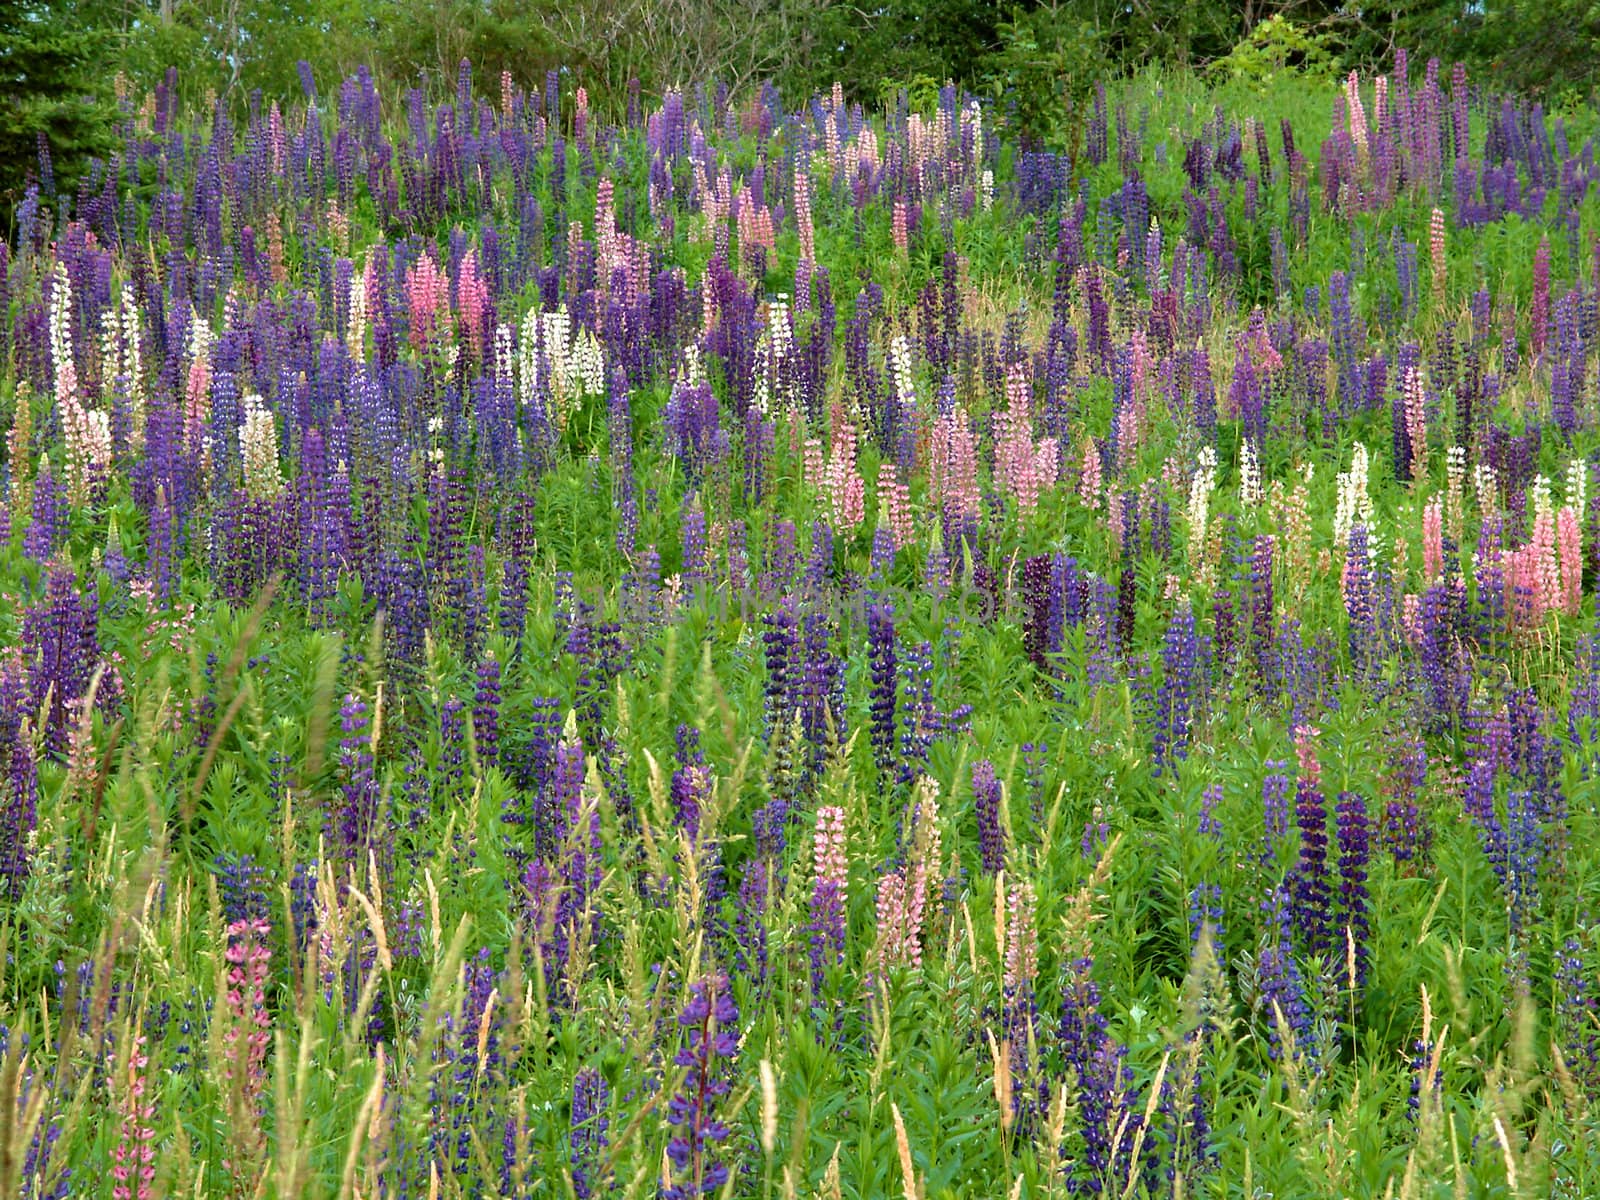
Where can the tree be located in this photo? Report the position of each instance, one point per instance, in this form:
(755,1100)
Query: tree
(52,93)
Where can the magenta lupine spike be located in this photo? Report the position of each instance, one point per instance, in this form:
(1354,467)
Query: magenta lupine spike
(899,921)
(830,878)
(428,295)
(249,1031)
(1022,943)
(1433,541)
(1305,749)
(847,491)
(1569,544)
(472,302)
(894,507)
(953,469)
(133,1168)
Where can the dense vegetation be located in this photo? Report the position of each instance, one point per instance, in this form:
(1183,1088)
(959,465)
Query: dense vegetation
(740,647)
(64,62)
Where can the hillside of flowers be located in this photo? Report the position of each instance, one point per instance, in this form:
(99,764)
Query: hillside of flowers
(778,650)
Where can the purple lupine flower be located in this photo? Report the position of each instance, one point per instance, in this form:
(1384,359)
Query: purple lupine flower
(710,1020)
(781,642)
(1107,1109)
(1578,1015)
(750,924)
(1275,802)
(61,647)
(358,815)
(1261,614)
(986,800)
(1177,698)
(1354,836)
(486,712)
(885,676)
(591,1099)
(1359,604)
(243,885)
(19,808)
(691,782)
(1279,981)
(47,532)
(1206,912)
(1311,915)
(1210,825)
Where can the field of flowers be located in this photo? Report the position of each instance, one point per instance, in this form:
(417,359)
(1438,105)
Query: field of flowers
(795,652)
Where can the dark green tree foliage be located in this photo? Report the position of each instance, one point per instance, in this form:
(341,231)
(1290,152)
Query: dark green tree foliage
(54,86)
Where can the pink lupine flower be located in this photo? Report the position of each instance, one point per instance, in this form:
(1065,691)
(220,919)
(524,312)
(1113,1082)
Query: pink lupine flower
(1411,617)
(1543,544)
(899,921)
(894,506)
(811,463)
(472,300)
(829,849)
(1416,420)
(249,967)
(1569,542)
(1022,942)
(1436,250)
(1305,749)
(953,469)
(1089,476)
(1026,469)
(802,216)
(427,295)
(1433,541)
(847,491)
(196,403)
(133,1167)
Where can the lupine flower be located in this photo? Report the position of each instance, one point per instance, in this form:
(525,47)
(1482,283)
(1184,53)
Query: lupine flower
(1281,983)
(710,1022)
(1354,833)
(486,712)
(591,1098)
(1311,912)
(1178,699)
(884,665)
(248,1035)
(829,882)
(133,1161)
(61,646)
(986,800)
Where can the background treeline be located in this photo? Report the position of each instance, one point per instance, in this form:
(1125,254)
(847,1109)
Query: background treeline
(64,64)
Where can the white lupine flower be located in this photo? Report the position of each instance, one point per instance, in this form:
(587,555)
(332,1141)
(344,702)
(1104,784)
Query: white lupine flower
(1540,493)
(905,391)
(1487,487)
(258,446)
(1249,476)
(1353,505)
(1200,488)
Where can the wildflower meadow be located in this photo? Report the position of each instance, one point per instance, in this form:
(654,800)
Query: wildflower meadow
(766,647)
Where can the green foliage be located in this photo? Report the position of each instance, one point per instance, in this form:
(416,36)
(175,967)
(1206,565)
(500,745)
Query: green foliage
(1274,47)
(1542,46)
(50,86)
(1047,65)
